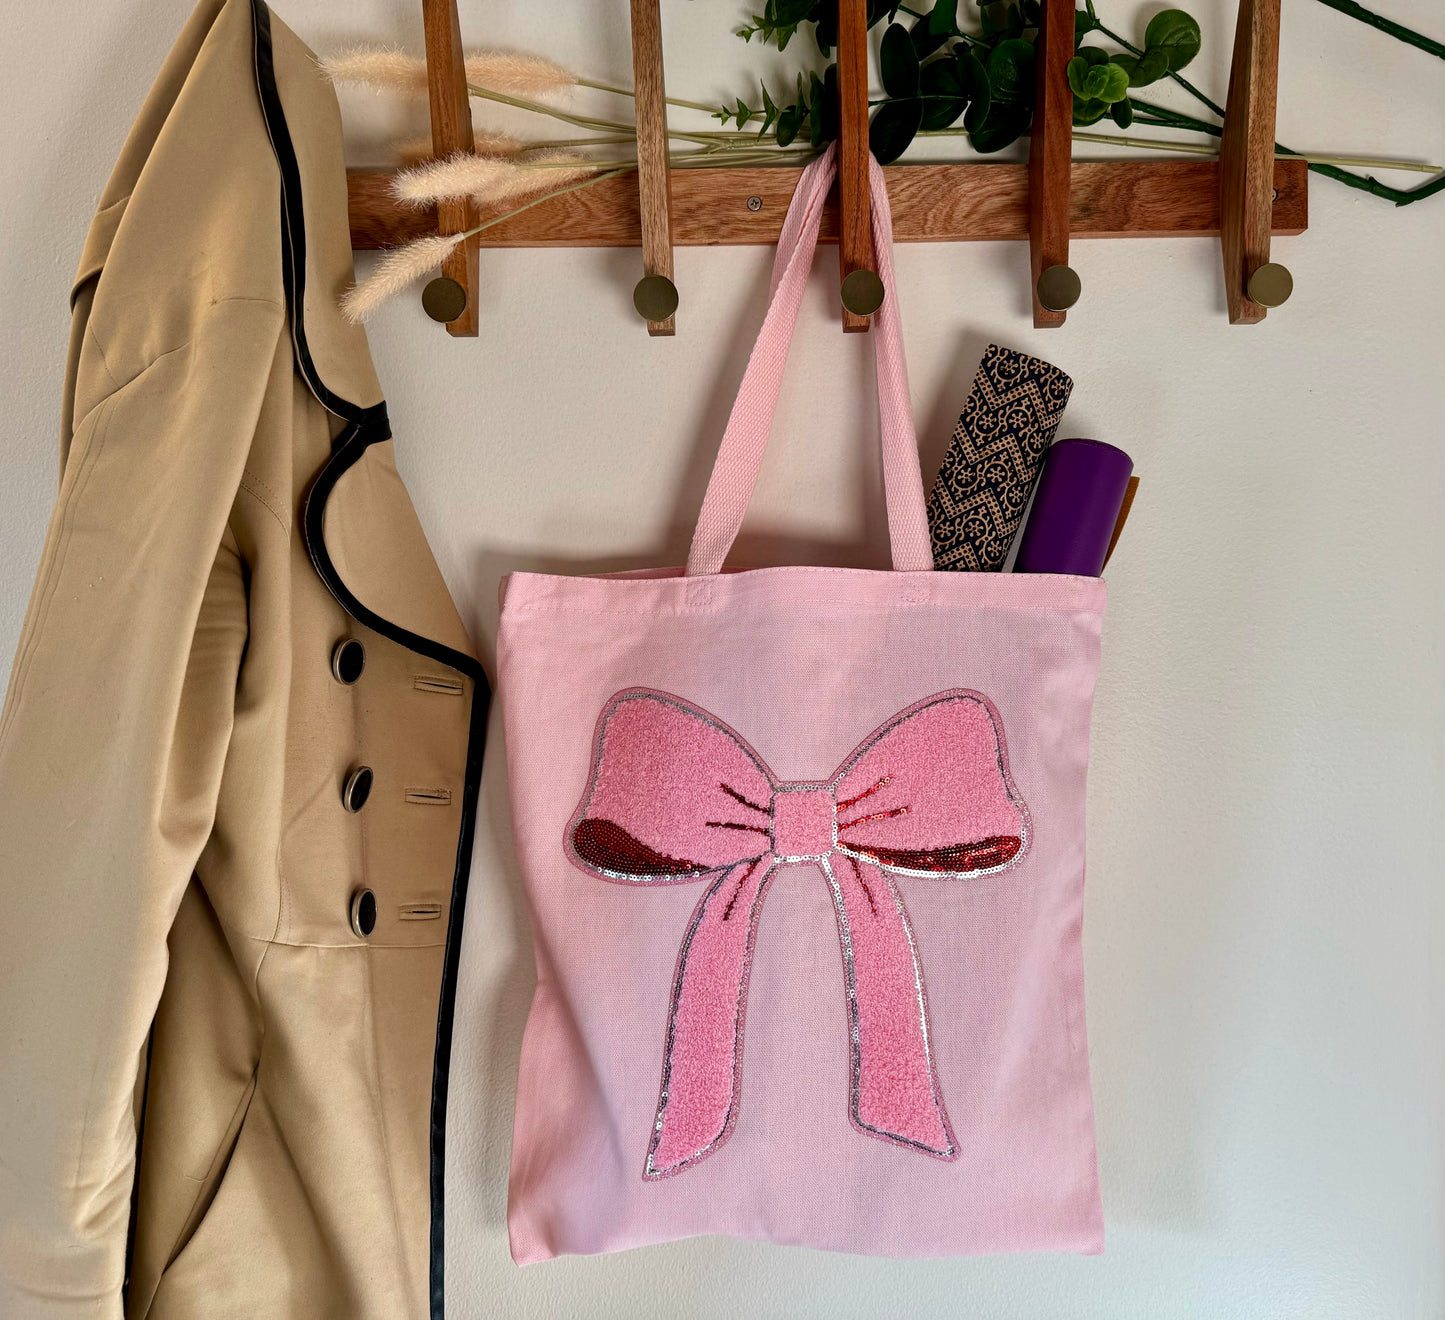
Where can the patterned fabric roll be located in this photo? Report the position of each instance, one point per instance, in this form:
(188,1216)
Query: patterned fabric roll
(998,447)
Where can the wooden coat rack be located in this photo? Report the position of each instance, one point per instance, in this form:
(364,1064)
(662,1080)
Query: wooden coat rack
(1244,197)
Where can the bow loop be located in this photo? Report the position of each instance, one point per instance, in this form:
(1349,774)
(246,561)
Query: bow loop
(674,794)
(930,792)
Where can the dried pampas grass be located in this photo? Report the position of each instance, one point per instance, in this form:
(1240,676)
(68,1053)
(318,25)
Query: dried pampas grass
(488,179)
(398,268)
(388,69)
(378,67)
(416,151)
(519,75)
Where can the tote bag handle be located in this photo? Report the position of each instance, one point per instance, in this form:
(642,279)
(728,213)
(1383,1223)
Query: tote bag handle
(741,455)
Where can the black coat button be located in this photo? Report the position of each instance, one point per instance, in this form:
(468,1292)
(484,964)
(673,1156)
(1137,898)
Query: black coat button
(363,912)
(357,788)
(348,659)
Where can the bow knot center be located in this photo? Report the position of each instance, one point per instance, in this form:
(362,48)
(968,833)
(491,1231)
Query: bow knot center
(804,821)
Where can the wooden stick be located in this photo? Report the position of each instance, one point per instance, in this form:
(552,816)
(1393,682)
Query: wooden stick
(652,170)
(1050,150)
(451,131)
(1246,155)
(931,204)
(855,250)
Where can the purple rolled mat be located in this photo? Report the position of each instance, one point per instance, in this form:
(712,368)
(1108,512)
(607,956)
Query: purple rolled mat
(1080,492)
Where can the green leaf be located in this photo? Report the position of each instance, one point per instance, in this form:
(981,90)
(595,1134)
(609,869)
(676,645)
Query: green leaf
(943,18)
(1092,55)
(826,31)
(1103,82)
(783,12)
(770,112)
(1033,15)
(1084,23)
(1122,113)
(1011,71)
(1176,34)
(943,95)
(925,41)
(1075,71)
(973,78)
(893,128)
(742,113)
(1005,124)
(1116,83)
(1088,112)
(995,16)
(1152,66)
(789,122)
(898,62)
(823,113)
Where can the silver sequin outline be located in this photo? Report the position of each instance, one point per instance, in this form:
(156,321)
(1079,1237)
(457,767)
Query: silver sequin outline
(650,1172)
(855,1034)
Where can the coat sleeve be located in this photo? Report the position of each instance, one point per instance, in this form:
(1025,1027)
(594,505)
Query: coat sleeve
(112,743)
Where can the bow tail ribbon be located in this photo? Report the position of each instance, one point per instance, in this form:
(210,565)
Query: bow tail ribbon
(893,1091)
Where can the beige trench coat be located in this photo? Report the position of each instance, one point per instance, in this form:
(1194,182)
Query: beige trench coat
(222,962)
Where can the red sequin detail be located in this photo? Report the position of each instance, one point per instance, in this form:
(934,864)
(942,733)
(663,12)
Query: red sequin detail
(742,880)
(738,797)
(858,871)
(867,792)
(959,859)
(607,846)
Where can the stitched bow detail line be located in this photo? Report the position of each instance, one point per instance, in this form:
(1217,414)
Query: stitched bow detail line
(675,795)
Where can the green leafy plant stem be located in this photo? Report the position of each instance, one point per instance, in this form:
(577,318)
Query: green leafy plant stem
(628,92)
(1162,115)
(1397,30)
(578,121)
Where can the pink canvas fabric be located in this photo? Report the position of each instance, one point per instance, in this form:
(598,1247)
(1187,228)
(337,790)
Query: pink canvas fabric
(804,854)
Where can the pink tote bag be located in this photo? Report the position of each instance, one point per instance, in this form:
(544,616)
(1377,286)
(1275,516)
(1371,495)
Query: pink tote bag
(804,854)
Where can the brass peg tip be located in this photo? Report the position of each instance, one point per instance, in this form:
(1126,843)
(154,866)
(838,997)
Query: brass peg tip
(862,292)
(655,297)
(1270,284)
(1058,288)
(444,299)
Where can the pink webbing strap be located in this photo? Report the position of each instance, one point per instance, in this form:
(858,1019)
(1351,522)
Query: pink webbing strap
(741,455)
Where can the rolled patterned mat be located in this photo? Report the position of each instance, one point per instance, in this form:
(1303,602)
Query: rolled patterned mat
(998,447)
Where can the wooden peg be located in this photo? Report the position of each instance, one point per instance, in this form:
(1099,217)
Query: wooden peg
(1055,285)
(1247,166)
(655,296)
(451,131)
(855,220)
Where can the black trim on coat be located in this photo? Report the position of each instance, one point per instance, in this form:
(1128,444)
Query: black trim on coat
(293,216)
(351,445)
(369,426)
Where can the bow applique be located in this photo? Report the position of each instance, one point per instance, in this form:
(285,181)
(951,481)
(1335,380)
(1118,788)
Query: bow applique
(675,795)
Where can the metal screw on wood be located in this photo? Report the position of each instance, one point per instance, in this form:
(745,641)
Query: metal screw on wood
(755,203)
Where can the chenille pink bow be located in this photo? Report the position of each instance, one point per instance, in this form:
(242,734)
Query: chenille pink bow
(675,795)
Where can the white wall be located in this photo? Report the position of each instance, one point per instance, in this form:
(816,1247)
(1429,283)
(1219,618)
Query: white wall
(1265,914)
